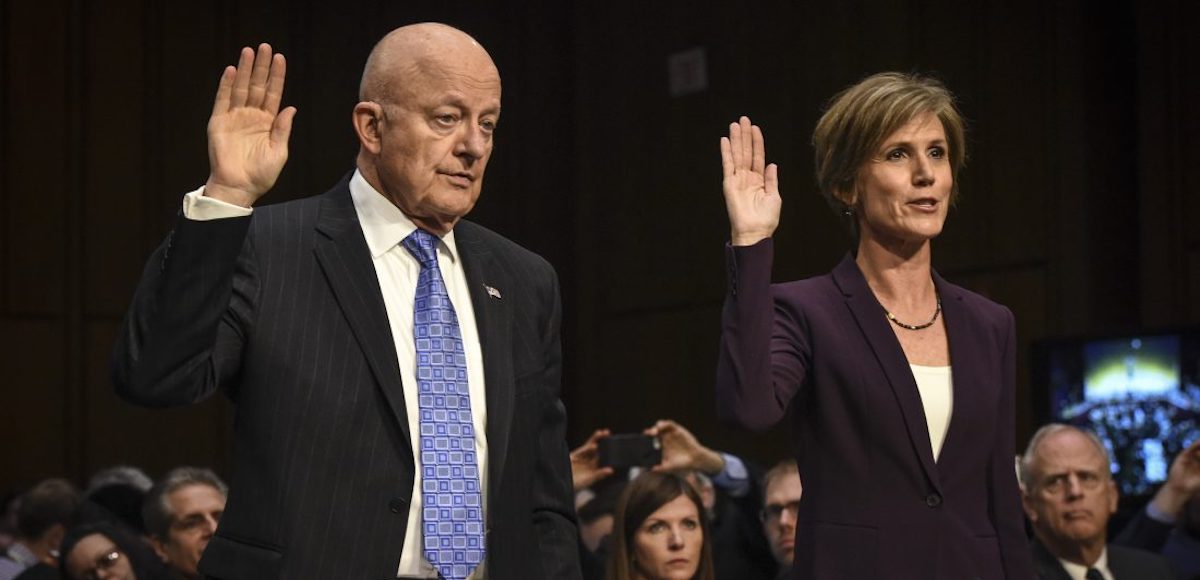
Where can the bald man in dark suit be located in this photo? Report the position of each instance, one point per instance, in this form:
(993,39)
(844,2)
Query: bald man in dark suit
(396,369)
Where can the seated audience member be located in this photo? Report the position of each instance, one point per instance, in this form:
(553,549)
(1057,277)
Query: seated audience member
(109,551)
(181,513)
(728,490)
(781,508)
(126,475)
(596,517)
(8,519)
(1170,523)
(659,532)
(44,514)
(120,491)
(1069,495)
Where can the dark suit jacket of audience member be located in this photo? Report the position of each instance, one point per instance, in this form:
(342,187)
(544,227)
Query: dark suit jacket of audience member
(1180,549)
(283,310)
(876,504)
(740,550)
(1125,564)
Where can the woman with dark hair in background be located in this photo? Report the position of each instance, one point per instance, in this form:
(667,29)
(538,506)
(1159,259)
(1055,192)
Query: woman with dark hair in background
(660,532)
(900,385)
(109,551)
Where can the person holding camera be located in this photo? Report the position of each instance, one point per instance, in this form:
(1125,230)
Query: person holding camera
(906,460)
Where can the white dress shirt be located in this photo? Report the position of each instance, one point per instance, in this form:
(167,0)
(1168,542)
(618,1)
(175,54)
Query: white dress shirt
(937,397)
(1077,572)
(384,226)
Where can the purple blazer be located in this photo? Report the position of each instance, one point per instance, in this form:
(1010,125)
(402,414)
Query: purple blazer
(875,503)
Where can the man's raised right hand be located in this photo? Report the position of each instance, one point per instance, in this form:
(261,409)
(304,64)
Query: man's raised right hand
(247,133)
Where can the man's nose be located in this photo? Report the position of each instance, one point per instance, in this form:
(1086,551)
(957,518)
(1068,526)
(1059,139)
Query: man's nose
(1074,486)
(210,525)
(473,142)
(788,518)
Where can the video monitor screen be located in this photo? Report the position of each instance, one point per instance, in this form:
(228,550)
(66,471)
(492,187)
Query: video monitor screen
(1139,394)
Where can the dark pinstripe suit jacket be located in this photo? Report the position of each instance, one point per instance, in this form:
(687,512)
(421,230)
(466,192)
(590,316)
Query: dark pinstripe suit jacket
(282,310)
(876,504)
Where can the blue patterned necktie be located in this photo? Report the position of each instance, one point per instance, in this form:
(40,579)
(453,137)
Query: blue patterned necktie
(453,507)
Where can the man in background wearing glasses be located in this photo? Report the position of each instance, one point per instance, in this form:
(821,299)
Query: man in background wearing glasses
(1069,495)
(781,508)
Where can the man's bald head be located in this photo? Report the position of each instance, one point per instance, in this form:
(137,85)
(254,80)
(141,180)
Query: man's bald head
(429,109)
(427,49)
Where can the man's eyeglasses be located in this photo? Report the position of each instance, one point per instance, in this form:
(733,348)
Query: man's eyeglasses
(773,511)
(103,563)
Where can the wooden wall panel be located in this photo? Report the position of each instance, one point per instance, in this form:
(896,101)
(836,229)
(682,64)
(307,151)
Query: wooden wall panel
(1075,111)
(112,146)
(157,440)
(36,141)
(33,408)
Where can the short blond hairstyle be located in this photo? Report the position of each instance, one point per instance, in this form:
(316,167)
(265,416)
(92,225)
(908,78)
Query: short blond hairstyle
(859,118)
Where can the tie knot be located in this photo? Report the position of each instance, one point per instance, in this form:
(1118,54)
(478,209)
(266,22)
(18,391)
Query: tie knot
(1094,574)
(423,246)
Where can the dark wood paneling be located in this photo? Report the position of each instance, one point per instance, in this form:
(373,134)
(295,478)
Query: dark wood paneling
(36,138)
(1075,111)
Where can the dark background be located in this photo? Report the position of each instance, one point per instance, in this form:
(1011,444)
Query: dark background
(1077,199)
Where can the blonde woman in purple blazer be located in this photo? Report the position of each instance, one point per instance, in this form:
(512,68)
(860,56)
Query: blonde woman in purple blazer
(899,385)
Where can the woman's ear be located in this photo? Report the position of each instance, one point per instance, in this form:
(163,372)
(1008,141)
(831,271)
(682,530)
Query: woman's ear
(368,120)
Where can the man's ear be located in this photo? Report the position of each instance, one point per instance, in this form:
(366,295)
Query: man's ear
(1114,496)
(157,544)
(367,118)
(53,536)
(1027,505)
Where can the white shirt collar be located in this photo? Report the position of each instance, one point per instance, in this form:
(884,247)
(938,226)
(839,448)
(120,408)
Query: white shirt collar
(1077,571)
(383,224)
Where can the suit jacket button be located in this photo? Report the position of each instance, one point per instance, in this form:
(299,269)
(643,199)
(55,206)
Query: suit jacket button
(933,500)
(396,505)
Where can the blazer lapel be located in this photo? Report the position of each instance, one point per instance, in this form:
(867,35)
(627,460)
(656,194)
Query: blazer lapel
(488,284)
(346,261)
(873,324)
(963,336)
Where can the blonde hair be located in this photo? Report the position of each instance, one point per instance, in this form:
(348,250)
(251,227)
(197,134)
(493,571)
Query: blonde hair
(859,118)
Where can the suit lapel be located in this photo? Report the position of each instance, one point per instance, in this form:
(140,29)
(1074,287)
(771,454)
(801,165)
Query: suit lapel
(346,262)
(873,324)
(963,335)
(1048,567)
(493,319)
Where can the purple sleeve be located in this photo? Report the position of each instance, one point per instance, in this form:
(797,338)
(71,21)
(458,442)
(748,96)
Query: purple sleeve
(763,351)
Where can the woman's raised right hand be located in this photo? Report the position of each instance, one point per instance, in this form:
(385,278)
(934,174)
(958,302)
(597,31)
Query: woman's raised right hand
(751,187)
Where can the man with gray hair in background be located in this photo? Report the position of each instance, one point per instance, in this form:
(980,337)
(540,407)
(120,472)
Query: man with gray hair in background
(181,514)
(1069,495)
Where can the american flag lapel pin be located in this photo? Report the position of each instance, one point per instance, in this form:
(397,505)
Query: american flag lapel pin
(494,293)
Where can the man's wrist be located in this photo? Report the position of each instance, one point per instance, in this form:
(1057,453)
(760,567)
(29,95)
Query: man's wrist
(231,195)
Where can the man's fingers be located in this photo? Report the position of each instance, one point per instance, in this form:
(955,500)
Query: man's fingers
(735,146)
(758,150)
(274,94)
(241,80)
(258,76)
(224,88)
(747,142)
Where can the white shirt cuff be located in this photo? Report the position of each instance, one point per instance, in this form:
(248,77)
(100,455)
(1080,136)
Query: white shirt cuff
(199,208)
